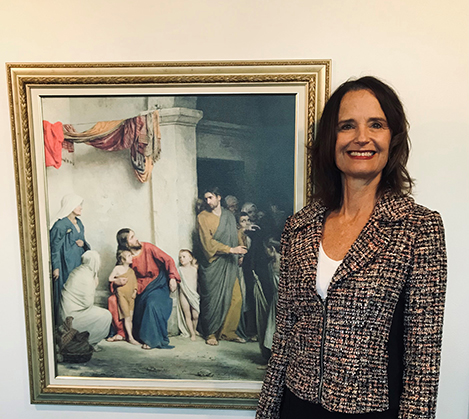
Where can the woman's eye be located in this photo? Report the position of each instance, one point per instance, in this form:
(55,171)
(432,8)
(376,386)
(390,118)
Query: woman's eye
(377,125)
(345,127)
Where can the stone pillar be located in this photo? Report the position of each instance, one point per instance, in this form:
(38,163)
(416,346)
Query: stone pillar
(174,180)
(174,187)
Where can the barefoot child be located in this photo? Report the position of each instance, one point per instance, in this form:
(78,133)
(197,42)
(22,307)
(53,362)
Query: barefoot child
(188,297)
(124,282)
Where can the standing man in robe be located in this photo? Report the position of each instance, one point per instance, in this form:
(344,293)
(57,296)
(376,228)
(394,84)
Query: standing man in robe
(220,292)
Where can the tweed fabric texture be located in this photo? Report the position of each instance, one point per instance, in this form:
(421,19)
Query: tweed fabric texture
(335,353)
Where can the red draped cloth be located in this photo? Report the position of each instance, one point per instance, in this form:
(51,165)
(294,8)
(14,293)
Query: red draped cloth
(53,139)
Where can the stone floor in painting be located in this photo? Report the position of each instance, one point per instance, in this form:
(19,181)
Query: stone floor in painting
(186,361)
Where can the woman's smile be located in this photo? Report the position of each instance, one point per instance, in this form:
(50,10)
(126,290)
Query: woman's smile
(361,154)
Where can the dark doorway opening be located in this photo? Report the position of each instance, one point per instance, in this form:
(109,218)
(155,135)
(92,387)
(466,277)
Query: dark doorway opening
(228,175)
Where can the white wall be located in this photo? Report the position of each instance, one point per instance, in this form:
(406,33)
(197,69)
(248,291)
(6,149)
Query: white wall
(419,46)
(103,200)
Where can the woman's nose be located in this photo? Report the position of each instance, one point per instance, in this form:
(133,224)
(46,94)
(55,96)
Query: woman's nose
(362,135)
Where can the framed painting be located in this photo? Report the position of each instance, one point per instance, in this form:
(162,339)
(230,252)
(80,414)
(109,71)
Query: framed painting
(151,199)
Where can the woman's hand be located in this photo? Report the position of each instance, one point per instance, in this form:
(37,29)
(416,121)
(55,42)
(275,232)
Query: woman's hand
(55,274)
(173,285)
(80,243)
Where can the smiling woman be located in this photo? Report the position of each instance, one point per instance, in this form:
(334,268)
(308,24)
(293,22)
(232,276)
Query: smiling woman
(363,275)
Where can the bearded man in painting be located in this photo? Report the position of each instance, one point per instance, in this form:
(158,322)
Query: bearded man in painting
(220,292)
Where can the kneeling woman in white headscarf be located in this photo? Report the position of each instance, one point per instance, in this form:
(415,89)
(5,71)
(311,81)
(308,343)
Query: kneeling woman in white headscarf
(78,299)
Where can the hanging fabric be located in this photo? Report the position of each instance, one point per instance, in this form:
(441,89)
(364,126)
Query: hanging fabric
(53,139)
(141,134)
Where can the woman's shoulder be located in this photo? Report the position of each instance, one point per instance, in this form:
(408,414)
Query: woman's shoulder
(306,215)
(426,226)
(428,222)
(407,207)
(61,224)
(393,207)
(417,220)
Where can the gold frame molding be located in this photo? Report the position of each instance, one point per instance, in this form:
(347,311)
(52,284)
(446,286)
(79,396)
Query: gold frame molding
(311,75)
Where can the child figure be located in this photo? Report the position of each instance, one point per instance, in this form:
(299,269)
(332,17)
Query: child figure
(188,297)
(124,282)
(244,224)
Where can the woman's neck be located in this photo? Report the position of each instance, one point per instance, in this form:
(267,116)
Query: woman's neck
(72,217)
(359,199)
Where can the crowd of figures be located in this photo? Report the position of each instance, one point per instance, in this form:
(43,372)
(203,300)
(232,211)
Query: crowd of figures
(226,287)
(239,269)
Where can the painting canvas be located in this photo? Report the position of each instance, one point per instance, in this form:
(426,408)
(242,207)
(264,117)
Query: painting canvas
(157,153)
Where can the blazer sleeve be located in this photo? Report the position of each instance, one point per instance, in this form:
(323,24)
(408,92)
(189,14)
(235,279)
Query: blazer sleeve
(423,321)
(274,381)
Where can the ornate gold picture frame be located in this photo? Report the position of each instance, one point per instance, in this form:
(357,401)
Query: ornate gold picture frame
(240,126)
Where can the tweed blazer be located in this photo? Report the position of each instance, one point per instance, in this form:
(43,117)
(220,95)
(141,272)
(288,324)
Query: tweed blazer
(334,352)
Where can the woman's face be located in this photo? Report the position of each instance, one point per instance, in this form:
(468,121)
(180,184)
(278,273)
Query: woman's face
(363,136)
(77,210)
(184,258)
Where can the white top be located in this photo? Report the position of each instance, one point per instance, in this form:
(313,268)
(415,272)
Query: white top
(325,272)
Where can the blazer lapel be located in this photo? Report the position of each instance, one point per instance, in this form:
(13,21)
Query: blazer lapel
(312,241)
(372,240)
(309,226)
(374,237)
